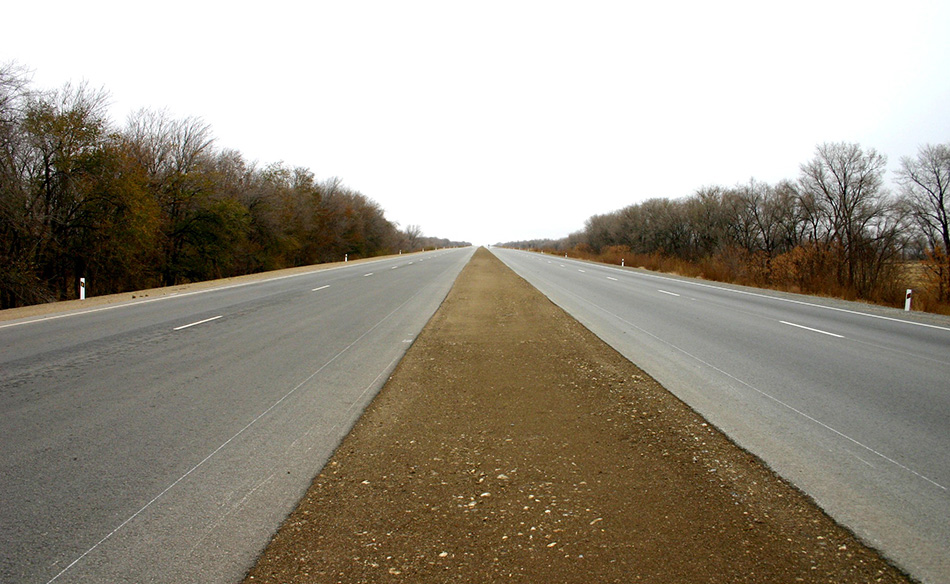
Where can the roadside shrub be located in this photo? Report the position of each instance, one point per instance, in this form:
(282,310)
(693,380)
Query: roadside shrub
(613,254)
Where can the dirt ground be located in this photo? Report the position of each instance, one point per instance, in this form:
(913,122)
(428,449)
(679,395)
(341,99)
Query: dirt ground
(511,444)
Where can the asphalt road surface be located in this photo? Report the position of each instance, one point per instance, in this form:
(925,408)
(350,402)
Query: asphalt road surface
(850,403)
(164,440)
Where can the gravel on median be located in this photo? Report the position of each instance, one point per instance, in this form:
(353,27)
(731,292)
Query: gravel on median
(511,444)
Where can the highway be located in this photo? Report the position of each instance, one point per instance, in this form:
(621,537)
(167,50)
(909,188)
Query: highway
(848,402)
(164,440)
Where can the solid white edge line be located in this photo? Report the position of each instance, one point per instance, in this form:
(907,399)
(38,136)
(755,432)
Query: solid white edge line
(178,328)
(763,393)
(759,295)
(232,438)
(767,395)
(814,330)
(173,295)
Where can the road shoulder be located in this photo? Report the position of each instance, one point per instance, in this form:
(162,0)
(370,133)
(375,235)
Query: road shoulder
(511,443)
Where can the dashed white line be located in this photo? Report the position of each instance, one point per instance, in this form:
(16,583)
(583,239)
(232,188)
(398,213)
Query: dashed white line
(773,398)
(171,296)
(790,300)
(369,274)
(582,271)
(184,326)
(242,430)
(611,278)
(320,288)
(670,293)
(814,330)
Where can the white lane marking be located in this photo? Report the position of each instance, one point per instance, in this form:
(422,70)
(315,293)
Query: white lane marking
(780,299)
(110,307)
(369,274)
(582,271)
(814,330)
(393,268)
(819,306)
(184,326)
(763,394)
(611,278)
(320,288)
(175,295)
(241,431)
(670,293)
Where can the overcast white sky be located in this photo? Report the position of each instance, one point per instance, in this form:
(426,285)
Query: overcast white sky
(500,120)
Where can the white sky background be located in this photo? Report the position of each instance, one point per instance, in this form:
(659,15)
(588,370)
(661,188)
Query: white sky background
(495,121)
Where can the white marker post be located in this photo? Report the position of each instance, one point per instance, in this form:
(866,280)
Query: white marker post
(82,288)
(621,262)
(346,257)
(907,301)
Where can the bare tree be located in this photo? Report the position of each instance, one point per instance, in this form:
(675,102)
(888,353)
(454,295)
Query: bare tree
(926,182)
(707,221)
(413,233)
(842,189)
(599,230)
(768,219)
(14,92)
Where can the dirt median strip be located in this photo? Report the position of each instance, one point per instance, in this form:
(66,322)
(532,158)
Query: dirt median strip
(511,444)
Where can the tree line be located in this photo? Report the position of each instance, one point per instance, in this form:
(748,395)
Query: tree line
(836,229)
(154,202)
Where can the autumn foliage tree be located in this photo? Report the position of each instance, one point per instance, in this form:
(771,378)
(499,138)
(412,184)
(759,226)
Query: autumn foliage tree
(153,202)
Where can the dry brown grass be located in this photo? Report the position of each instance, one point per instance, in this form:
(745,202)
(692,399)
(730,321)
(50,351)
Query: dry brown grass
(805,270)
